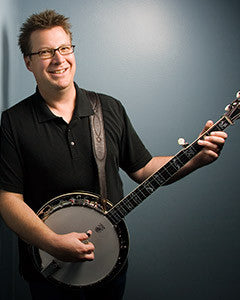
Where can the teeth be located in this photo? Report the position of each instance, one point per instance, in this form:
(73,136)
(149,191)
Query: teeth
(59,71)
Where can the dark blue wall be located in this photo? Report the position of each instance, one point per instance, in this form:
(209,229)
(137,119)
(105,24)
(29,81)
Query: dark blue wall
(174,65)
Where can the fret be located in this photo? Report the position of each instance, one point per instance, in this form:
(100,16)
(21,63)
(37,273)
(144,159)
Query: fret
(170,168)
(158,178)
(182,159)
(115,219)
(218,127)
(166,170)
(121,210)
(190,152)
(120,215)
(126,208)
(164,173)
(128,204)
(222,124)
(154,183)
(144,192)
(177,163)
(149,187)
(138,199)
(134,196)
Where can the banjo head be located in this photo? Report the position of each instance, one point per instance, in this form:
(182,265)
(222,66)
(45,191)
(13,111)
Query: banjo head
(79,212)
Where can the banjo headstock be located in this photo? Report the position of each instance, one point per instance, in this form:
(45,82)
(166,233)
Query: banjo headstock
(233,109)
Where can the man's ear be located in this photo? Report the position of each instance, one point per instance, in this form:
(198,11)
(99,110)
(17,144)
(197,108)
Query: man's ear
(28,63)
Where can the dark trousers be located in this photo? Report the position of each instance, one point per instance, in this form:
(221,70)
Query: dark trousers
(114,290)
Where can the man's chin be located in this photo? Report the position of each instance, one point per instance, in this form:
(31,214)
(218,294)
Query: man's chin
(62,86)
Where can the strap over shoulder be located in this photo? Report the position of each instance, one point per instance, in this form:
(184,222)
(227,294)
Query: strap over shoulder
(99,142)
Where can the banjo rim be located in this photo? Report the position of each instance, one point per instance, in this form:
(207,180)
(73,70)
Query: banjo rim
(85,199)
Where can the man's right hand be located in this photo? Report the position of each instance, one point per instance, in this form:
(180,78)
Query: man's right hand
(72,247)
(31,229)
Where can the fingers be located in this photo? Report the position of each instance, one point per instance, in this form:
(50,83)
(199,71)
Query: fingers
(209,155)
(84,236)
(212,146)
(87,251)
(214,141)
(207,126)
(211,143)
(213,133)
(73,247)
(221,134)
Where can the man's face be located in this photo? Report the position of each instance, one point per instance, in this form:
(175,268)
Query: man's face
(53,73)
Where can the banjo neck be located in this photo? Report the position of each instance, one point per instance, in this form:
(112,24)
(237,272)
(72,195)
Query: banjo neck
(162,176)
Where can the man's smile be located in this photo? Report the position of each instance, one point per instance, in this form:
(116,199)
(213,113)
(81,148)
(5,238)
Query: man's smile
(60,71)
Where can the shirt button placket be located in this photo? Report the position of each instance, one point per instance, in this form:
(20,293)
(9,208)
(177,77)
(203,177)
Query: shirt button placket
(71,142)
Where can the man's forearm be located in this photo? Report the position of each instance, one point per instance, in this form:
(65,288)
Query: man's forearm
(151,167)
(30,228)
(157,163)
(23,221)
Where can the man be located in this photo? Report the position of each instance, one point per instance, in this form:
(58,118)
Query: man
(46,151)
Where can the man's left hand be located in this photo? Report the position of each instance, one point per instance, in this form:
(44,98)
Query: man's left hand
(212,146)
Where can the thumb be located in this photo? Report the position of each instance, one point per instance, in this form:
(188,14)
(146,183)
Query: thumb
(84,235)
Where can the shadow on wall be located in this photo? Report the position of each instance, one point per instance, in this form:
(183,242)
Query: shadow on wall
(12,285)
(5,68)
(8,240)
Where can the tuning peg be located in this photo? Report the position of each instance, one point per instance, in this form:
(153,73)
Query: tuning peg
(238,95)
(182,142)
(227,108)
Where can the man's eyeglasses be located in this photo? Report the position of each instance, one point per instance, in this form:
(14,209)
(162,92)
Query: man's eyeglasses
(49,53)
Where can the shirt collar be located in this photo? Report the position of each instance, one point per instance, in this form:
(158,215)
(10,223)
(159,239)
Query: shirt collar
(83,107)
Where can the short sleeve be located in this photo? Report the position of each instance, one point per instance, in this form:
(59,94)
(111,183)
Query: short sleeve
(11,174)
(134,154)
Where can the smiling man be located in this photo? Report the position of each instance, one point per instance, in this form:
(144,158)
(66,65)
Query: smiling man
(46,150)
(54,71)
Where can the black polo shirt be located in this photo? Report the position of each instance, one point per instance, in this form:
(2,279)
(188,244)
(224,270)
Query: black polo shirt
(42,156)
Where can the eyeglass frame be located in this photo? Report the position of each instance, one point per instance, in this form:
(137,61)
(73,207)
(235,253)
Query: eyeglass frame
(53,51)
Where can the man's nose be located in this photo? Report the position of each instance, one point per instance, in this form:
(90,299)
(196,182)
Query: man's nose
(57,57)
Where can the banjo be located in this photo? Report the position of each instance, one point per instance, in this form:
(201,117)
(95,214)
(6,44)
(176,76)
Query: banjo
(80,211)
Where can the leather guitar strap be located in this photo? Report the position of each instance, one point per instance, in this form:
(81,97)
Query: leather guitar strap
(99,144)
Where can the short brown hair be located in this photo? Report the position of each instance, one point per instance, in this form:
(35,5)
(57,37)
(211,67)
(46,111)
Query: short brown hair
(44,20)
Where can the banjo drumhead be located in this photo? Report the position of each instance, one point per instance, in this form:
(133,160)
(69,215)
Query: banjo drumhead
(104,237)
